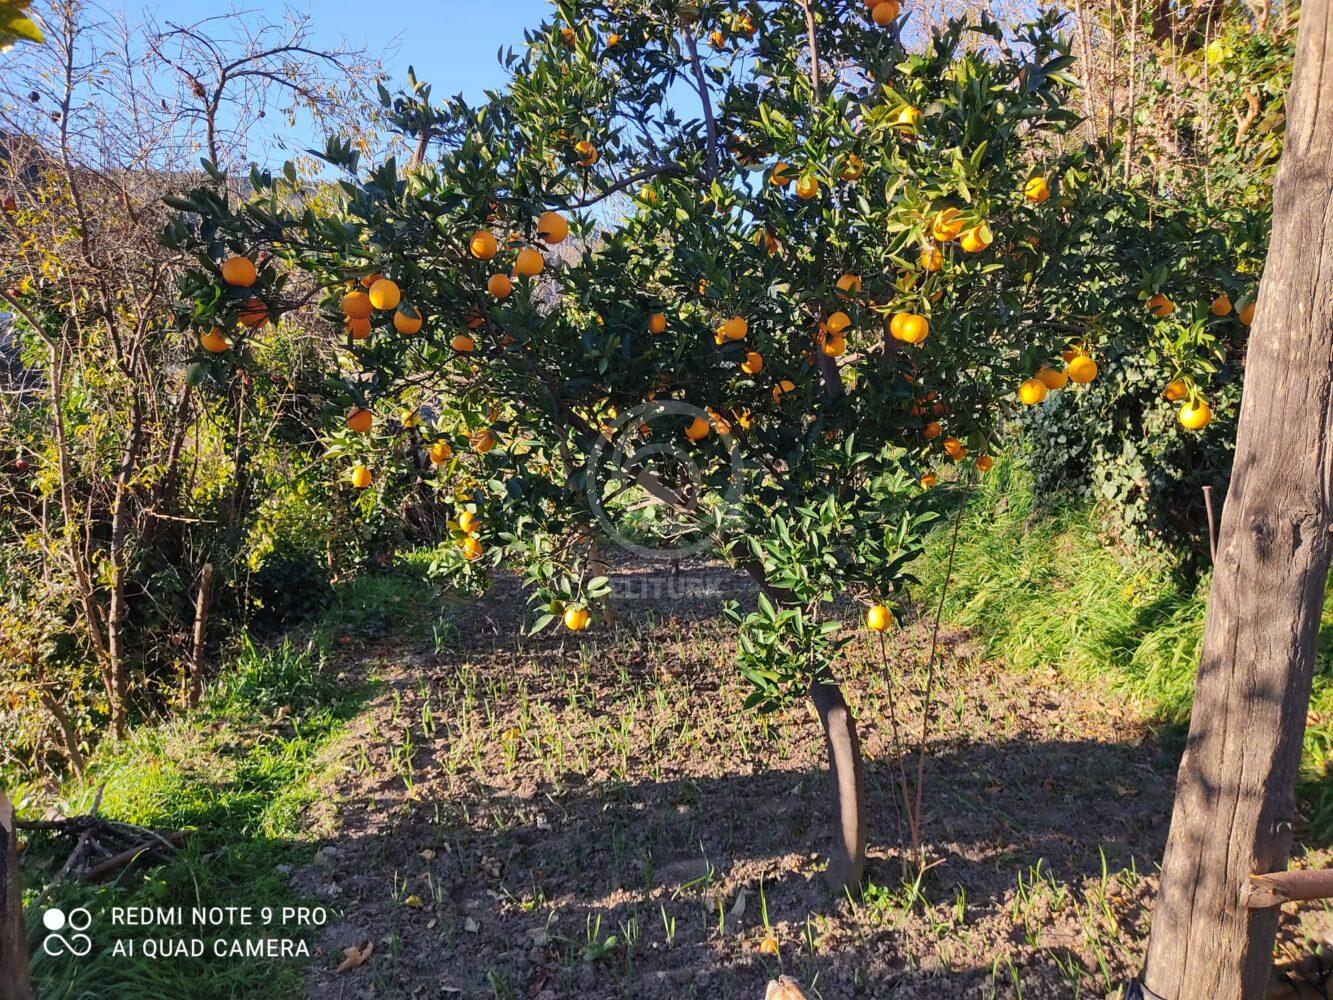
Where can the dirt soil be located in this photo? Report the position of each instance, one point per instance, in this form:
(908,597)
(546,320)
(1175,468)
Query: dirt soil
(597,816)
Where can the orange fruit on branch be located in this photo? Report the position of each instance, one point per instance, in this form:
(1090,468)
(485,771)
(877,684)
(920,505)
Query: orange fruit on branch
(878,617)
(483,245)
(384,294)
(1160,306)
(1036,189)
(253,314)
(1032,391)
(407,320)
(360,420)
(1195,415)
(463,344)
(530,263)
(552,228)
(1082,369)
(213,341)
(884,12)
(499,286)
(356,305)
(576,618)
(657,323)
(361,477)
(1176,390)
(753,363)
(1221,305)
(357,329)
(239,272)
(1051,378)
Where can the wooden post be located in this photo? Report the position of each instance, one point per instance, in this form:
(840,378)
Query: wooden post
(1235,796)
(15,983)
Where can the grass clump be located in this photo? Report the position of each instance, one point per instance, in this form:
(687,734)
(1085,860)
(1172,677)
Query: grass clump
(1043,585)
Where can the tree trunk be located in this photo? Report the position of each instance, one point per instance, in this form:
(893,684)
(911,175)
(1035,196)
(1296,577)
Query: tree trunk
(14,976)
(198,646)
(1235,799)
(847,856)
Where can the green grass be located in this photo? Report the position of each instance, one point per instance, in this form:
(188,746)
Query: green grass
(240,771)
(1043,586)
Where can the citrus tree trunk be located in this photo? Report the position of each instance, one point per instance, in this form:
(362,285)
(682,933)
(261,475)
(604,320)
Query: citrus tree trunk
(847,854)
(1235,798)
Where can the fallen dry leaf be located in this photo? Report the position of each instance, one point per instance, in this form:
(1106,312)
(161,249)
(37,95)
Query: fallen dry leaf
(356,956)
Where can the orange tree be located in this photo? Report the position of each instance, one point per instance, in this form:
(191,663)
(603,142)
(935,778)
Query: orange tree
(759,266)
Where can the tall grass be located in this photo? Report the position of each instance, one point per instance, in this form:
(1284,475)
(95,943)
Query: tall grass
(1043,585)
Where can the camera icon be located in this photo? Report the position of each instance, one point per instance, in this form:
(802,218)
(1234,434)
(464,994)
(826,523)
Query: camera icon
(56,920)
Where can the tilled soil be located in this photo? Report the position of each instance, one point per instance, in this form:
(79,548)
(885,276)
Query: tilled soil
(598,816)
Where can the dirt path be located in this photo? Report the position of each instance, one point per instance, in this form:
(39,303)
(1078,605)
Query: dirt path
(600,818)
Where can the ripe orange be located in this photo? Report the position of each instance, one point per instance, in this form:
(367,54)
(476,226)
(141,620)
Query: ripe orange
(499,286)
(1032,392)
(807,187)
(908,117)
(482,441)
(985,463)
(753,363)
(657,323)
(1195,415)
(552,227)
(463,344)
(239,272)
(1160,306)
(440,452)
(735,328)
(587,151)
(483,245)
(878,618)
(976,239)
(468,521)
(768,241)
(1176,390)
(530,263)
(254,314)
(780,176)
(384,294)
(929,480)
(954,449)
(1246,312)
(1036,189)
(576,618)
(909,327)
(1221,305)
(854,169)
(782,387)
(361,477)
(947,225)
(356,305)
(1082,369)
(931,431)
(838,322)
(471,548)
(697,430)
(213,341)
(931,259)
(849,285)
(884,12)
(369,279)
(834,346)
(407,320)
(1052,379)
(357,329)
(360,420)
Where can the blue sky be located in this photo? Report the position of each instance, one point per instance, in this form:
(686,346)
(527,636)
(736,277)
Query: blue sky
(452,43)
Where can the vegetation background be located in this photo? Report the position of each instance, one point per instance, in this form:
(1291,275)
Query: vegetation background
(179,574)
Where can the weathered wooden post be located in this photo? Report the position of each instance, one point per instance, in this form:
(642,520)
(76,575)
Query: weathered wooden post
(1211,935)
(14,975)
